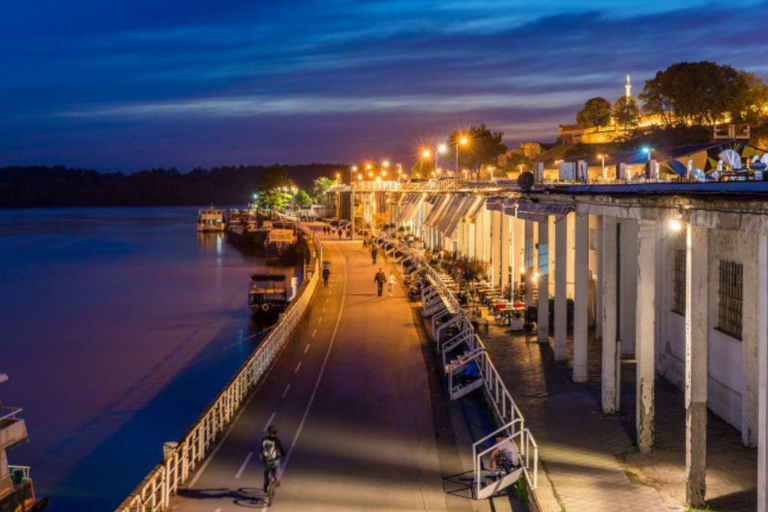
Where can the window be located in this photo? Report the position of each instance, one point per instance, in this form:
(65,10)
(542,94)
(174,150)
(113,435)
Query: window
(678,283)
(730,298)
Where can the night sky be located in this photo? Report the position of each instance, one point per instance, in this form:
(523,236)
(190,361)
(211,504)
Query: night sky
(124,85)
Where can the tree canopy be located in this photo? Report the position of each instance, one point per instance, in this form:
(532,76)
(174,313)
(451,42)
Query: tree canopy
(483,147)
(320,186)
(302,199)
(625,112)
(595,113)
(698,93)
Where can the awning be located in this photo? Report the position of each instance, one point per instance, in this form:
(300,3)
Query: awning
(440,205)
(475,208)
(448,213)
(539,211)
(409,206)
(457,211)
(494,204)
(509,206)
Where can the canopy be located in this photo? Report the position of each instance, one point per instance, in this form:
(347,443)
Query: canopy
(409,206)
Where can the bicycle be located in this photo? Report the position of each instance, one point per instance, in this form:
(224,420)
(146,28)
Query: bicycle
(272,485)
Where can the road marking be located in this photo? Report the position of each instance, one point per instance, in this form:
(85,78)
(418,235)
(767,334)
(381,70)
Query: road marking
(297,368)
(314,332)
(269,422)
(326,301)
(306,349)
(217,510)
(245,463)
(319,376)
(320,320)
(286,390)
(323,310)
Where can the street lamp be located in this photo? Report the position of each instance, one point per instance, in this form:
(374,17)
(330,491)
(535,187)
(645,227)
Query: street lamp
(352,170)
(441,149)
(648,150)
(602,157)
(461,142)
(385,164)
(424,154)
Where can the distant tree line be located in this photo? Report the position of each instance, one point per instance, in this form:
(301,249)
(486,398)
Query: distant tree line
(23,187)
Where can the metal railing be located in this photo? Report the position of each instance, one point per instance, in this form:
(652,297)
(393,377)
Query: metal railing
(180,459)
(9,413)
(504,406)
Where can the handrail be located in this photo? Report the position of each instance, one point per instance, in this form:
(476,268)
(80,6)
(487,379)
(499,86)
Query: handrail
(153,494)
(10,414)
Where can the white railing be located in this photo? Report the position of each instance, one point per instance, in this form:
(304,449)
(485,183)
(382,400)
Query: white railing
(504,406)
(9,413)
(180,459)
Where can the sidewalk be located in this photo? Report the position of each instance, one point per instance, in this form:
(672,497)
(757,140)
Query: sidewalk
(591,460)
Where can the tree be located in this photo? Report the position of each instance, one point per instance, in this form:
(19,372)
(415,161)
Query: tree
(751,105)
(320,187)
(274,199)
(302,199)
(274,177)
(595,113)
(625,112)
(483,147)
(513,161)
(696,93)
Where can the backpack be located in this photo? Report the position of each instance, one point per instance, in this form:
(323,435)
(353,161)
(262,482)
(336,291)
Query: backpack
(269,449)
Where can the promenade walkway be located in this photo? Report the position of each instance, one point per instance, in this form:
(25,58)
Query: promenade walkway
(591,459)
(350,396)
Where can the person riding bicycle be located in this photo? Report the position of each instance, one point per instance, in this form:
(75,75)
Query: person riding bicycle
(271,453)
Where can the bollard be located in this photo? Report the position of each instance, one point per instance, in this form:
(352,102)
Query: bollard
(169,448)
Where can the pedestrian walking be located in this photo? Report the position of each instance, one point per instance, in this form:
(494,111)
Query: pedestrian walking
(391,280)
(339,233)
(374,253)
(326,275)
(380,279)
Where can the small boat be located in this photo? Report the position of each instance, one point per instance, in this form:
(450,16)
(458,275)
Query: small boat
(211,219)
(280,243)
(268,296)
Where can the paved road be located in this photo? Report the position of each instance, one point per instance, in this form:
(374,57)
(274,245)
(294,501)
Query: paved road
(350,398)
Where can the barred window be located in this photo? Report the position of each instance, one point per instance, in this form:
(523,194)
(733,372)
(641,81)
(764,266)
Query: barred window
(730,298)
(678,284)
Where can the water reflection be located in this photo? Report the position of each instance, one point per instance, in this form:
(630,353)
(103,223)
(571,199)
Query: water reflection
(118,326)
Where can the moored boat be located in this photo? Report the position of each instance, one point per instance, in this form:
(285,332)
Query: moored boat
(268,296)
(211,220)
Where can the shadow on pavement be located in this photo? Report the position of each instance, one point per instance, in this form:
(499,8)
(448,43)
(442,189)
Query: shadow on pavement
(242,497)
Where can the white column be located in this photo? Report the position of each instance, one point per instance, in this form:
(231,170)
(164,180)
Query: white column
(611,387)
(645,333)
(696,359)
(561,291)
(580,298)
(529,264)
(506,226)
(762,360)
(599,283)
(496,247)
(627,286)
(542,322)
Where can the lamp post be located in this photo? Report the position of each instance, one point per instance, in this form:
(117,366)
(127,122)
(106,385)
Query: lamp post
(442,148)
(461,142)
(424,154)
(352,170)
(602,158)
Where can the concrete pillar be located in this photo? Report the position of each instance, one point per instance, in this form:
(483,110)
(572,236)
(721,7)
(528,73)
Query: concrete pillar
(627,297)
(518,229)
(495,245)
(506,249)
(561,275)
(750,369)
(580,298)
(696,362)
(645,333)
(529,264)
(611,386)
(599,284)
(762,360)
(542,321)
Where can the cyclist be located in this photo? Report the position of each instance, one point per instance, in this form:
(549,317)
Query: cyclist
(271,453)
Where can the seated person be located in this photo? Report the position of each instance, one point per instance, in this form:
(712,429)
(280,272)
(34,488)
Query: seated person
(469,374)
(504,458)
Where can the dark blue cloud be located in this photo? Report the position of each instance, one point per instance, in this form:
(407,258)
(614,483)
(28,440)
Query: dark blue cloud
(123,85)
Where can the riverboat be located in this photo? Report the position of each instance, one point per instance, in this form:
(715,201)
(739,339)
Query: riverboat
(268,296)
(211,220)
(280,243)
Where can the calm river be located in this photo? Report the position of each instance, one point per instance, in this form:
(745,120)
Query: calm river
(117,327)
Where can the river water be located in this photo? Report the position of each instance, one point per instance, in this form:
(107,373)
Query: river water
(117,328)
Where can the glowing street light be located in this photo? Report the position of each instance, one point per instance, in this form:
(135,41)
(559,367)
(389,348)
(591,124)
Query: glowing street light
(605,176)
(424,154)
(461,142)
(385,164)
